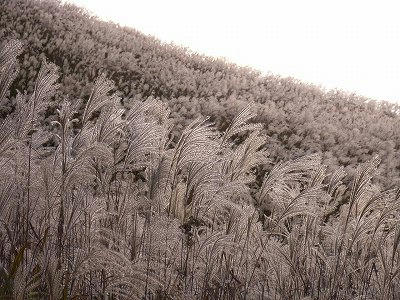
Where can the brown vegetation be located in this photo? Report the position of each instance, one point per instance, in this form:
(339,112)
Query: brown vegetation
(115,210)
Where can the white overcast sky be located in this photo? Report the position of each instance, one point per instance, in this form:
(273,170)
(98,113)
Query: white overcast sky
(350,45)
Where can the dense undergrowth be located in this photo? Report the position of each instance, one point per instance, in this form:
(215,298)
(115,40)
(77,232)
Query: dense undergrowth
(115,209)
(299,119)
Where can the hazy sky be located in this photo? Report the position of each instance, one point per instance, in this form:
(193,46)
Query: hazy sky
(351,45)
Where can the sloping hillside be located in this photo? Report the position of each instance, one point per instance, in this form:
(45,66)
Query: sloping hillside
(109,193)
(115,210)
(298,118)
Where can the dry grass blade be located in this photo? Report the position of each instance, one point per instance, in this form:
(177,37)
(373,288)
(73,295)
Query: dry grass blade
(283,175)
(156,175)
(8,66)
(138,109)
(99,97)
(336,180)
(245,157)
(45,86)
(9,52)
(7,141)
(302,204)
(361,182)
(144,139)
(195,144)
(318,176)
(109,126)
(203,179)
(81,168)
(239,124)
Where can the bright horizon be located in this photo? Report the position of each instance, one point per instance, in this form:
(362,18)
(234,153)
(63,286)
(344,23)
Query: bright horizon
(350,45)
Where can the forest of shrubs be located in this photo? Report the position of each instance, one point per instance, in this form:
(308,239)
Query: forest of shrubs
(131,169)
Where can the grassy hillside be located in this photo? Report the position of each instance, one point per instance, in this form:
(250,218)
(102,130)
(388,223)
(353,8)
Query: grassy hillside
(298,118)
(116,210)
(113,184)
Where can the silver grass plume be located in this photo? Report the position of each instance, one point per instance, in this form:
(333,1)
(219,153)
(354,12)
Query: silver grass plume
(8,66)
(7,140)
(109,126)
(248,155)
(28,108)
(284,176)
(196,144)
(240,124)
(142,139)
(99,97)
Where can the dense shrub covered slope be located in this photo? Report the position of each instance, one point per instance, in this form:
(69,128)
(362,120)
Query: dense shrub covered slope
(116,210)
(298,118)
(114,184)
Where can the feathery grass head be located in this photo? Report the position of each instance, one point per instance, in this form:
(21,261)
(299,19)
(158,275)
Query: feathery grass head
(117,211)
(8,66)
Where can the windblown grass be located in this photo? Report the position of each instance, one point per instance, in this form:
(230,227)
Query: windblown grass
(116,211)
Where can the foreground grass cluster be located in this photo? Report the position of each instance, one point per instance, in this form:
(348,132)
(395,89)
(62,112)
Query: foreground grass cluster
(115,210)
